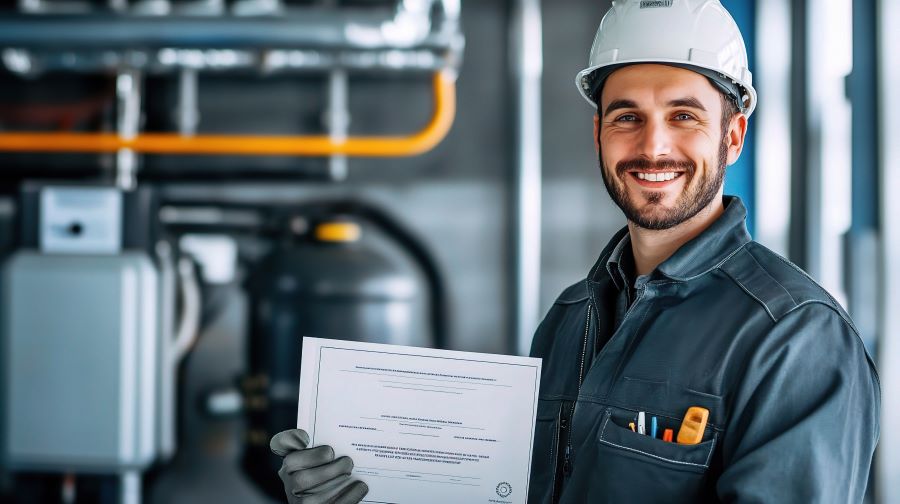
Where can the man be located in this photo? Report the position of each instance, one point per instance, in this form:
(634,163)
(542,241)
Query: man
(682,309)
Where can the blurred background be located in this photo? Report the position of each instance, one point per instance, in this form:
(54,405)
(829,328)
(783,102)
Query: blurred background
(187,187)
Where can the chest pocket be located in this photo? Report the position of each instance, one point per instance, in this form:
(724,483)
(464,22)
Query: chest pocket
(644,448)
(624,466)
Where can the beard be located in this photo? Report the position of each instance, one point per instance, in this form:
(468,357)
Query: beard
(653,215)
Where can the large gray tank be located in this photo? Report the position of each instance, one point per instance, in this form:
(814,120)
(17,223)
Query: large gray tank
(343,280)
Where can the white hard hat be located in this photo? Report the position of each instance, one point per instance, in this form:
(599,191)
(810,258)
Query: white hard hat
(696,34)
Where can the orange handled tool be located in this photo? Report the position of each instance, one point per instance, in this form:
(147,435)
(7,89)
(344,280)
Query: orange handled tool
(693,425)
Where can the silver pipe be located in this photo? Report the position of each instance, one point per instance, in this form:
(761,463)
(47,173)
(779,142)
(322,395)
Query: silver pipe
(129,94)
(167,411)
(888,461)
(188,111)
(319,37)
(338,120)
(527,70)
(53,7)
(257,7)
(130,487)
(311,27)
(209,216)
(114,5)
(167,60)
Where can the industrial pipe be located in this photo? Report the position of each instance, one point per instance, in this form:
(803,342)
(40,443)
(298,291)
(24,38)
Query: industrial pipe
(318,145)
(309,28)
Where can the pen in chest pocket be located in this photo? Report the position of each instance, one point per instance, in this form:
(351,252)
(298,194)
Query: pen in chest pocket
(691,432)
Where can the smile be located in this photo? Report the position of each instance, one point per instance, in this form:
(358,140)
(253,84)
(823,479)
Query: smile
(655,179)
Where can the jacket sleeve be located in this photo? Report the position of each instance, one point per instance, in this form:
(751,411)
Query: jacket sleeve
(804,421)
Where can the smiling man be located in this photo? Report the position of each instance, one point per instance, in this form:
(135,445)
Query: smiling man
(684,311)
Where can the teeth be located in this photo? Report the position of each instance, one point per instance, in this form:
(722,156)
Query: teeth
(656,177)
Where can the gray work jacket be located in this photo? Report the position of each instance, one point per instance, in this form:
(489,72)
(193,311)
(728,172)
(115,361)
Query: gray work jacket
(725,324)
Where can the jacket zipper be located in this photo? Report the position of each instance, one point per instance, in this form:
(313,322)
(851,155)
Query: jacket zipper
(564,446)
(564,441)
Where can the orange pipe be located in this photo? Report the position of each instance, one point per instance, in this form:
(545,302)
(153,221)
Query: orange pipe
(318,145)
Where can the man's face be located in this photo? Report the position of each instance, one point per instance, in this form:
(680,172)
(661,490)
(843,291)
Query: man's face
(662,149)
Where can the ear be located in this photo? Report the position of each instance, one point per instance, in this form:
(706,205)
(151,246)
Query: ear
(734,138)
(596,132)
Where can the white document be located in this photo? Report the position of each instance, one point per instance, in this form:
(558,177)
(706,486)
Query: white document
(423,425)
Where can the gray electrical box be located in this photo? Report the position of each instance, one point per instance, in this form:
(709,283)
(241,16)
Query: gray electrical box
(80,358)
(81,220)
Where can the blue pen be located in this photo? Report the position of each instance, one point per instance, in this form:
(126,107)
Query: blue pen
(653,427)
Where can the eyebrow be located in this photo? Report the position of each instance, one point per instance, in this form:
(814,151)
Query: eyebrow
(619,104)
(689,102)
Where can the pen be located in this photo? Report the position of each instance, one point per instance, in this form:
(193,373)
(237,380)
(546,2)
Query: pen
(642,423)
(653,427)
(667,435)
(631,426)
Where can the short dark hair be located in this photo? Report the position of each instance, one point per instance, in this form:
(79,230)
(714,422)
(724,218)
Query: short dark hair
(729,110)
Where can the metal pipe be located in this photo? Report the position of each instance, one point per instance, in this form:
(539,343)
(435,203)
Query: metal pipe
(188,111)
(338,120)
(129,94)
(265,61)
(527,71)
(309,27)
(130,487)
(188,330)
(320,145)
(888,460)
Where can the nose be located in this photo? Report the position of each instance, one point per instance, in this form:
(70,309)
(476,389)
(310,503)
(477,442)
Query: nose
(655,141)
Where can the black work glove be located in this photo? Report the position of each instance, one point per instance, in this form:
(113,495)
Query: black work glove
(313,475)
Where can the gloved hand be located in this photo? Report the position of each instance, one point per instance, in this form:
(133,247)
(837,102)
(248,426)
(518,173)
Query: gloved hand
(313,475)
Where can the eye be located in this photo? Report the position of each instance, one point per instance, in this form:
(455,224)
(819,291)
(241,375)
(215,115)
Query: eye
(626,118)
(683,116)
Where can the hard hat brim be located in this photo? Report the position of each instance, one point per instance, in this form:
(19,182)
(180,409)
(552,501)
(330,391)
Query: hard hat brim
(588,81)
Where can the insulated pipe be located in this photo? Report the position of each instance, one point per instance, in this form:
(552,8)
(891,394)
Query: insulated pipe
(309,28)
(319,145)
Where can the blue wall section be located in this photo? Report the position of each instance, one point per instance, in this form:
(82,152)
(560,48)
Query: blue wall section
(740,177)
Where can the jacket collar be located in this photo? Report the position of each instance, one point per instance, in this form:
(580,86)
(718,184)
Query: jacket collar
(619,262)
(703,253)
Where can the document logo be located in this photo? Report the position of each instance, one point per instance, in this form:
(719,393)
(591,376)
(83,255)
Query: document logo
(504,489)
